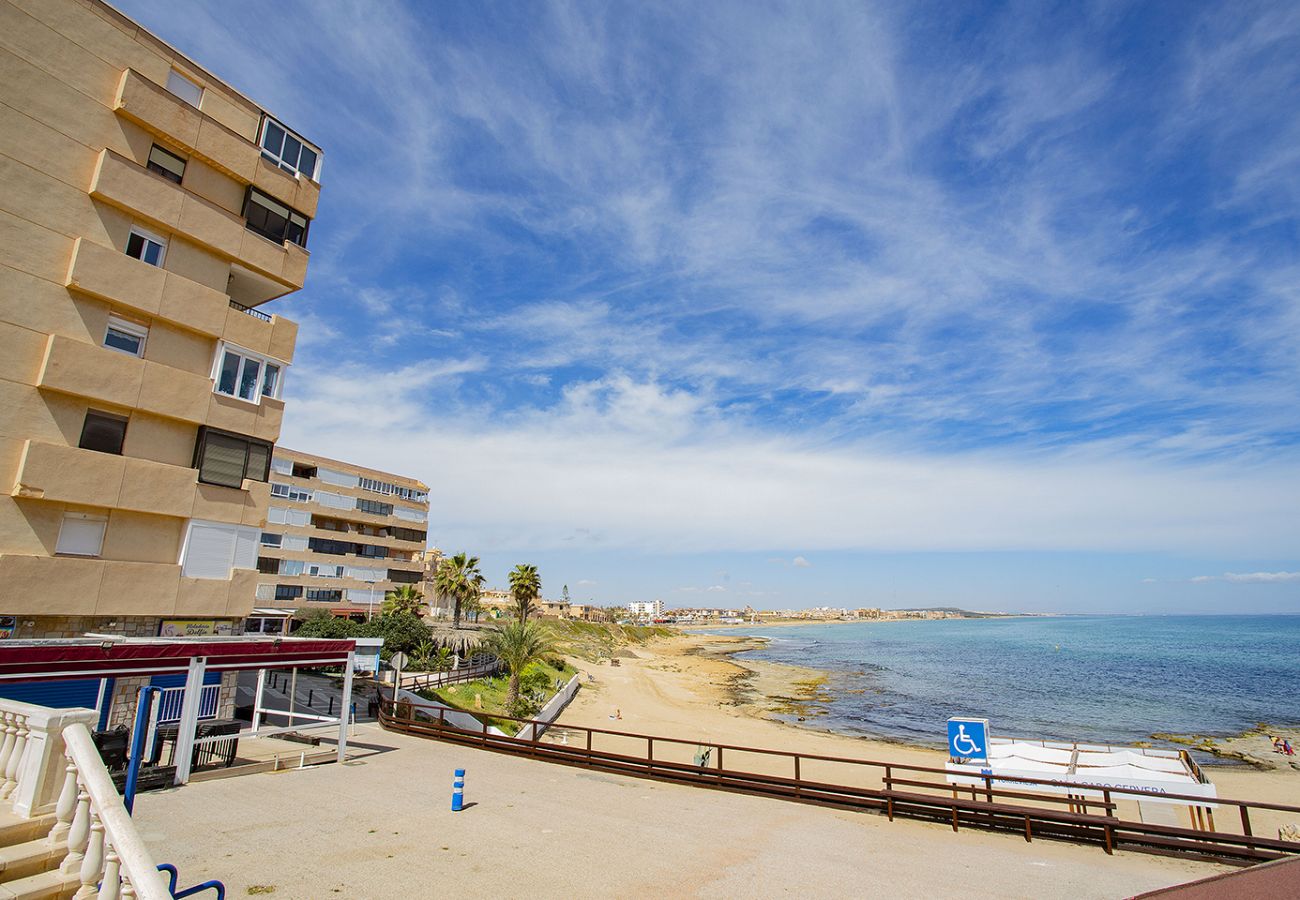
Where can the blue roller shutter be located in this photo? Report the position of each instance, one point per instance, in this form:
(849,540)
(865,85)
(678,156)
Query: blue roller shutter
(82,693)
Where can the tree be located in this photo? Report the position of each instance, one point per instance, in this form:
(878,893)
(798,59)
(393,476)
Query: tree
(525,588)
(565,594)
(518,644)
(404,600)
(400,631)
(458,578)
(318,623)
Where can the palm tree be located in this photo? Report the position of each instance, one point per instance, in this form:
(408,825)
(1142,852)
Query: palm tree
(458,577)
(518,644)
(442,660)
(404,600)
(525,588)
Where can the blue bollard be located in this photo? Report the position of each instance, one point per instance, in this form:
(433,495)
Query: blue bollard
(458,791)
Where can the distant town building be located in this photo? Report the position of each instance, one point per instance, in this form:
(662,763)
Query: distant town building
(338,537)
(646,609)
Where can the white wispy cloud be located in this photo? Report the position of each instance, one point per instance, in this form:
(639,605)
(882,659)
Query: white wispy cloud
(1249,577)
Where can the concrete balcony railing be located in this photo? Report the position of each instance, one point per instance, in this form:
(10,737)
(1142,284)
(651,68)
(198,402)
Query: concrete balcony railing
(111,275)
(85,370)
(120,182)
(58,473)
(79,586)
(162,113)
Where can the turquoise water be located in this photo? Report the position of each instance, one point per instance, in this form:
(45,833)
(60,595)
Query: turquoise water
(1115,678)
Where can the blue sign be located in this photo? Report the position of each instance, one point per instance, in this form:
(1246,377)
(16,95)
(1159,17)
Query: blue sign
(968,739)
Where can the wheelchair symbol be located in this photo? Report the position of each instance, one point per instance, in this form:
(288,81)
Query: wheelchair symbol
(964,744)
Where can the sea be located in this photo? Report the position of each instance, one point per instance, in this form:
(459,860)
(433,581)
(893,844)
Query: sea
(1104,679)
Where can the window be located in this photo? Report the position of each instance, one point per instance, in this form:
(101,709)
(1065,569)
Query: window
(125,336)
(401,576)
(271,540)
(166,164)
(294,542)
(335,501)
(82,534)
(410,515)
(213,549)
(374,507)
(371,551)
(268,565)
(408,534)
(185,88)
(384,487)
(302,470)
(323,595)
(288,151)
(281,465)
(273,220)
(289,492)
(325,545)
(246,375)
(291,567)
(323,571)
(146,247)
(288,591)
(227,459)
(103,432)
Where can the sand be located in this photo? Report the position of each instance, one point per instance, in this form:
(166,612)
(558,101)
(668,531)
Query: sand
(691,686)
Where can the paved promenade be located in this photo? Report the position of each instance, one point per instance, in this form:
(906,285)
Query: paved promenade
(380,827)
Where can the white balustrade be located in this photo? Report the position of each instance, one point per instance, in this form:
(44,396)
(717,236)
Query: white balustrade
(50,764)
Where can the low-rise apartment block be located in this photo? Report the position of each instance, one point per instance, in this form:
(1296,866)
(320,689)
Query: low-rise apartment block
(148,211)
(338,537)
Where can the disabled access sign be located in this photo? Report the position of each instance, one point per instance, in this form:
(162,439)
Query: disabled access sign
(968,739)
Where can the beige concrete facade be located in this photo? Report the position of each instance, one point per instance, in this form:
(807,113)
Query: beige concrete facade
(109,140)
(338,537)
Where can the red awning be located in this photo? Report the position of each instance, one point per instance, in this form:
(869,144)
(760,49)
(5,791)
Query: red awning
(99,658)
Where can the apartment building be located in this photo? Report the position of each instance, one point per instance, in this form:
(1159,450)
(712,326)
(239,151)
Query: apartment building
(338,537)
(148,212)
(646,609)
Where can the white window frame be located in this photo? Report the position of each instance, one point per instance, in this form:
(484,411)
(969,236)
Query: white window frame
(278,159)
(82,518)
(291,492)
(245,355)
(148,236)
(177,78)
(135,329)
(279,539)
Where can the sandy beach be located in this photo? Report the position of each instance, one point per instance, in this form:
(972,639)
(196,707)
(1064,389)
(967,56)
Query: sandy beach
(702,686)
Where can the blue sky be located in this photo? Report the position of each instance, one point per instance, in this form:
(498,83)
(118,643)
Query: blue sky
(993,306)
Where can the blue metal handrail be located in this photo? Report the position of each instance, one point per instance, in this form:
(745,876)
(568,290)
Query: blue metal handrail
(143,707)
(173,875)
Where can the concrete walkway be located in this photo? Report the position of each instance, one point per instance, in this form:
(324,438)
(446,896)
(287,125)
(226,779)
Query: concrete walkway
(380,827)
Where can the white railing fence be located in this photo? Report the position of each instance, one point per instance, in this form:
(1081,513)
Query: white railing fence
(173,698)
(50,765)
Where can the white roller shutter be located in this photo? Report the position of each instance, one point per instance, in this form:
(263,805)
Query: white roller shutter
(336,501)
(213,549)
(293,542)
(246,541)
(81,534)
(330,476)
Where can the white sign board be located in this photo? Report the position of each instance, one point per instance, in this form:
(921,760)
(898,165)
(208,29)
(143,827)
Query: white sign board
(1151,789)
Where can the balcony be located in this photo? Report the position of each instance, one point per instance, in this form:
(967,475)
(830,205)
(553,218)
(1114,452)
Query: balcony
(85,370)
(120,182)
(160,112)
(62,474)
(79,586)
